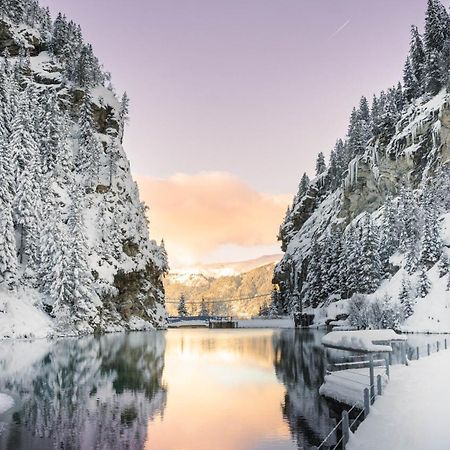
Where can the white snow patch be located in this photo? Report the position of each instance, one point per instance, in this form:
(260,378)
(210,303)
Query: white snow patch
(362,340)
(413,411)
(6,402)
(20,317)
(347,386)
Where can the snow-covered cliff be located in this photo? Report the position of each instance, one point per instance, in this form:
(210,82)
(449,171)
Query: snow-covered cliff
(374,222)
(75,255)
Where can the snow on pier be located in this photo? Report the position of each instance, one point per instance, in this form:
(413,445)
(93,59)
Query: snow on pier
(347,386)
(365,341)
(413,412)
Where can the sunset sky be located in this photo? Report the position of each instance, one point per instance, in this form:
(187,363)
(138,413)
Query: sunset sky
(231,100)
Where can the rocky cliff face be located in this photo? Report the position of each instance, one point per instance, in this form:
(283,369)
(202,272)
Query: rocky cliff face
(125,266)
(415,156)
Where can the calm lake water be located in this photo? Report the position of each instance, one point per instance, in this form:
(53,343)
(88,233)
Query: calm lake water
(176,390)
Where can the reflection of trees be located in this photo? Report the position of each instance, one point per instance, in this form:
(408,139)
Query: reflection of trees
(300,364)
(90,393)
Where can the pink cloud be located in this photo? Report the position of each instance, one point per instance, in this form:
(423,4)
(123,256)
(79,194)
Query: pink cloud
(197,214)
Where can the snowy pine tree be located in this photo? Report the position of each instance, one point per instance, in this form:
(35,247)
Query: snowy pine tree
(81,281)
(370,270)
(424,284)
(8,259)
(182,311)
(405,298)
(431,240)
(303,186)
(321,167)
(204,311)
(87,161)
(444,264)
(164,258)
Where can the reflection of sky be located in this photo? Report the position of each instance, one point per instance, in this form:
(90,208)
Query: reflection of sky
(223,395)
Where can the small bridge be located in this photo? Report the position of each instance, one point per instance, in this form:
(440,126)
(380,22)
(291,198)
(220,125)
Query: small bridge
(202,322)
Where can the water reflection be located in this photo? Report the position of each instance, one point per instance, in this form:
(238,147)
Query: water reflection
(184,389)
(300,364)
(223,393)
(90,393)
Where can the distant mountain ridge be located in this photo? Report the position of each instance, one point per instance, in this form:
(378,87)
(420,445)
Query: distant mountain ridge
(215,282)
(227,268)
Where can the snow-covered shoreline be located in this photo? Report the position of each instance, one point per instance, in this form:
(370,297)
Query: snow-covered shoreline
(397,419)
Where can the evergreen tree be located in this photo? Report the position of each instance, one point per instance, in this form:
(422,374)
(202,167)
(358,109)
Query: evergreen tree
(88,145)
(370,271)
(315,277)
(424,285)
(444,265)
(123,115)
(338,164)
(164,258)
(410,83)
(275,303)
(418,61)
(409,220)
(8,259)
(436,27)
(182,311)
(320,164)
(364,112)
(264,310)
(331,264)
(359,133)
(26,210)
(303,186)
(405,298)
(389,241)
(351,261)
(431,240)
(204,312)
(81,292)
(436,34)
(433,78)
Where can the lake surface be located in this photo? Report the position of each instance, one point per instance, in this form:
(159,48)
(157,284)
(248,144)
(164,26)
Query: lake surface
(177,390)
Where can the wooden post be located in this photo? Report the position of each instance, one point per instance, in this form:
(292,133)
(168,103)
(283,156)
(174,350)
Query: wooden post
(404,358)
(417,352)
(387,368)
(429,350)
(372,378)
(345,429)
(445,343)
(379,384)
(366,402)
(437,346)
(390,358)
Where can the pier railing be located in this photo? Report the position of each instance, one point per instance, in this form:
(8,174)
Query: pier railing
(344,426)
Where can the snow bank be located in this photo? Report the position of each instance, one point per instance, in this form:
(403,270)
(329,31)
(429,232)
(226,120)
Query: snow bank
(413,412)
(6,402)
(20,317)
(362,340)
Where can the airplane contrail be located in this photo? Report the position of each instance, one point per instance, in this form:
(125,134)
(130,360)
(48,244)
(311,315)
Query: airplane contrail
(339,29)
